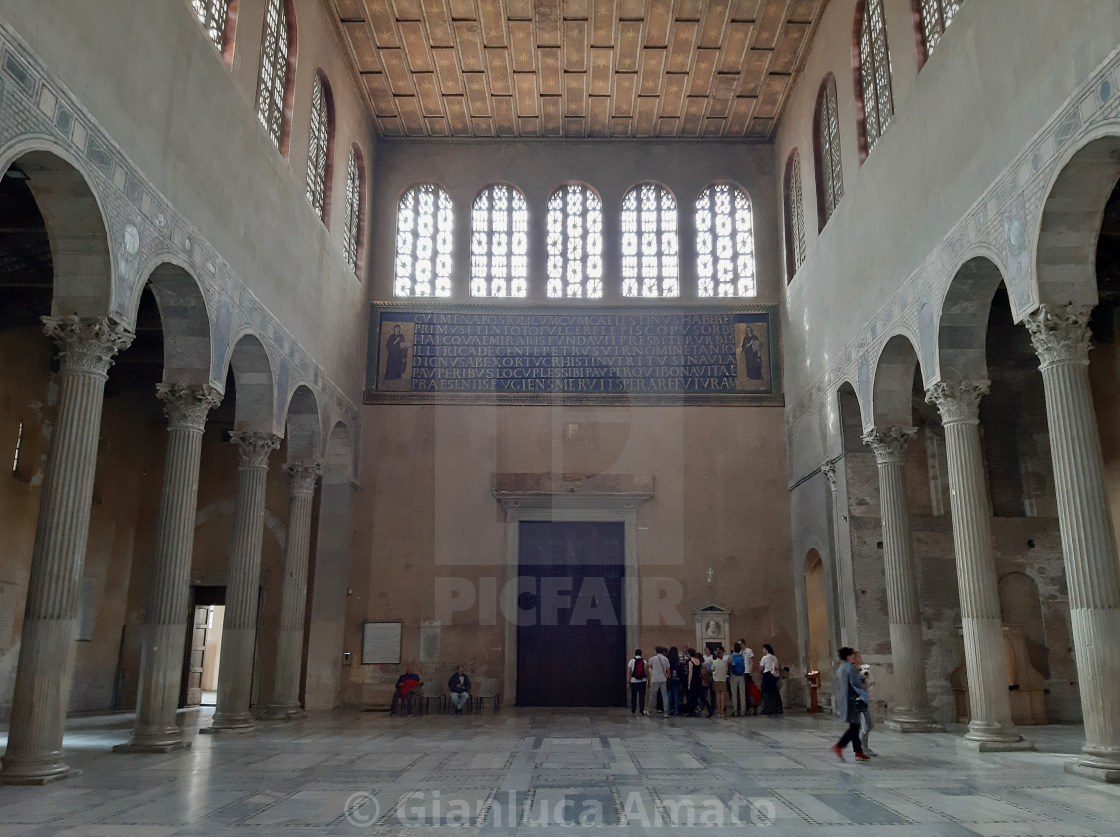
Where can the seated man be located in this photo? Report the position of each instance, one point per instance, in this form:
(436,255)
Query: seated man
(460,687)
(407,684)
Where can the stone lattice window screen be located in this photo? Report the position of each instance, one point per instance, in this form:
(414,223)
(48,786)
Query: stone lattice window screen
(874,72)
(212,15)
(499,243)
(794,216)
(650,265)
(830,177)
(424,222)
(575,243)
(936,17)
(725,263)
(318,148)
(353,214)
(274,71)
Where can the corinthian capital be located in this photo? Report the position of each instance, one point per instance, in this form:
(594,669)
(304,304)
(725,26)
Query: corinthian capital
(829,471)
(1060,333)
(958,401)
(186,405)
(303,476)
(87,344)
(889,443)
(253,447)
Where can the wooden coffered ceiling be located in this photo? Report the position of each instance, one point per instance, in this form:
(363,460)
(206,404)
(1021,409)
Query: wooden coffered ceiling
(575,68)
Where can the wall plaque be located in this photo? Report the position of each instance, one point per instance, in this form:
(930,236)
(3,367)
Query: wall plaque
(448,353)
(381,642)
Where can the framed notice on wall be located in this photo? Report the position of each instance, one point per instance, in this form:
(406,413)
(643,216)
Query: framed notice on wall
(381,642)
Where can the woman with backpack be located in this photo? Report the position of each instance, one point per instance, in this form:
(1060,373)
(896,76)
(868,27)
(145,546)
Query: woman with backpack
(738,666)
(638,677)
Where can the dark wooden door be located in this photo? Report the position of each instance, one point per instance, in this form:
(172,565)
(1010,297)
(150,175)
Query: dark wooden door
(571,636)
(197,652)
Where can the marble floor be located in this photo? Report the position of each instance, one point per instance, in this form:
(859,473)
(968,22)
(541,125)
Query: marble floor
(541,772)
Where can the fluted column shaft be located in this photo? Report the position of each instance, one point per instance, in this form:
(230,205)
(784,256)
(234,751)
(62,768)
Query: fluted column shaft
(911,711)
(1061,338)
(990,726)
(239,630)
(845,589)
(165,621)
(86,350)
(289,640)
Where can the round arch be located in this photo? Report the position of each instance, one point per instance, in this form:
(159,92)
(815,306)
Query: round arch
(893,385)
(253,378)
(85,279)
(184,314)
(1071,218)
(962,328)
(303,426)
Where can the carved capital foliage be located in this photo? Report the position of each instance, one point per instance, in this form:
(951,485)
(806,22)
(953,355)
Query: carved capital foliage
(186,405)
(1060,333)
(829,471)
(303,476)
(87,344)
(254,447)
(889,443)
(958,401)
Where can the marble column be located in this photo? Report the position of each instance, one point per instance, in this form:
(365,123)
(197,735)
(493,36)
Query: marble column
(845,588)
(911,710)
(239,630)
(1060,335)
(289,640)
(86,347)
(990,728)
(186,406)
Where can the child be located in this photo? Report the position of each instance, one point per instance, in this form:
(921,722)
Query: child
(865,722)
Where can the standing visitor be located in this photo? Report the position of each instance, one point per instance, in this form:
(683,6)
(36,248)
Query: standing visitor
(659,679)
(637,677)
(738,671)
(674,681)
(771,682)
(866,724)
(719,677)
(851,699)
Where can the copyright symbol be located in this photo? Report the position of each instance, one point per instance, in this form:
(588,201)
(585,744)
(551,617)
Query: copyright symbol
(362,809)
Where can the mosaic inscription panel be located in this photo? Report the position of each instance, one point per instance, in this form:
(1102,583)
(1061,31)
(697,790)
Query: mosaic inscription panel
(447,353)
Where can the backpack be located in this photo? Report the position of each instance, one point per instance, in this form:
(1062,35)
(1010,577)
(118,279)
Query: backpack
(738,666)
(639,668)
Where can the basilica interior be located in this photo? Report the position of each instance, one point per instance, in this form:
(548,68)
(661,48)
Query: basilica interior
(341,338)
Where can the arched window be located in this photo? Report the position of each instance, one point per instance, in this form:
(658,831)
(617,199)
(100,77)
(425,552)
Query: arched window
(724,242)
(649,242)
(873,73)
(352,223)
(826,129)
(499,242)
(212,14)
(320,147)
(277,69)
(575,243)
(424,219)
(795,216)
(936,16)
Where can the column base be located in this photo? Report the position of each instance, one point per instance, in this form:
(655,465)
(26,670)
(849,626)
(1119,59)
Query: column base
(230,723)
(281,713)
(153,745)
(34,772)
(913,725)
(1110,774)
(997,745)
